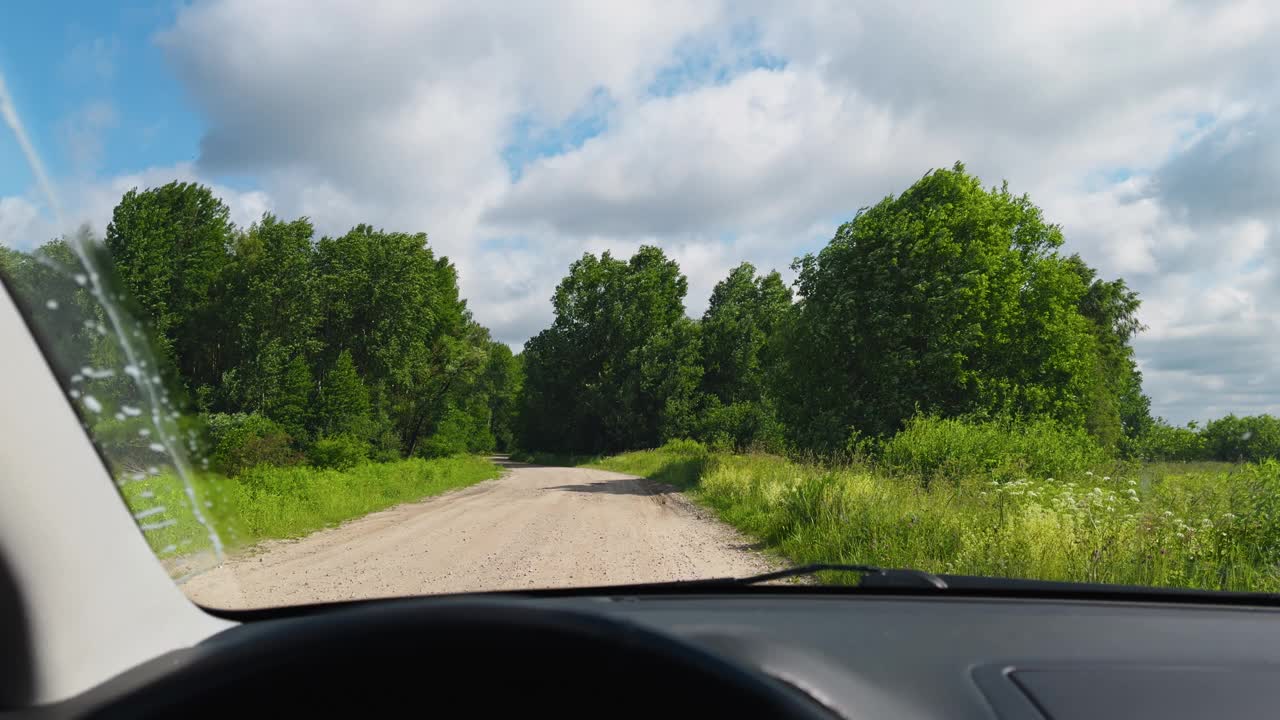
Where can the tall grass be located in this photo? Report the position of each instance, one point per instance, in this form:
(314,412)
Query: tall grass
(283,502)
(1211,530)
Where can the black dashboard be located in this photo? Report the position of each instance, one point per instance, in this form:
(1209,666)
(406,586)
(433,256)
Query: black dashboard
(845,655)
(889,657)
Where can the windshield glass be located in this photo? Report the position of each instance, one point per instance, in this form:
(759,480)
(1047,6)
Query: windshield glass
(521,298)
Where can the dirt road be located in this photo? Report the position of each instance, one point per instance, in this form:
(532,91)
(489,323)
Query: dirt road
(534,527)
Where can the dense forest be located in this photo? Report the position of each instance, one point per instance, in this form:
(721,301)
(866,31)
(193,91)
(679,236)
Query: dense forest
(950,300)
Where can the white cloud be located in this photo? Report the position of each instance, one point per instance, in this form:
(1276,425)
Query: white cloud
(22,225)
(1146,128)
(765,149)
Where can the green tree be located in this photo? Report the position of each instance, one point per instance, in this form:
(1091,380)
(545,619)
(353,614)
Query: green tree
(742,316)
(620,364)
(503,381)
(273,311)
(948,299)
(342,402)
(739,349)
(395,307)
(1119,407)
(170,246)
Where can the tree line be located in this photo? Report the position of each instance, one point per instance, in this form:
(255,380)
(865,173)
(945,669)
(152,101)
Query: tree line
(347,347)
(949,299)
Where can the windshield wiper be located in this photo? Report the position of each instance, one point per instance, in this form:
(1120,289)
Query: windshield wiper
(871,576)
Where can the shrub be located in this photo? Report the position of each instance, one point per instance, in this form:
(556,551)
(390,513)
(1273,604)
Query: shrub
(933,448)
(1166,442)
(1251,438)
(458,433)
(241,441)
(742,426)
(340,452)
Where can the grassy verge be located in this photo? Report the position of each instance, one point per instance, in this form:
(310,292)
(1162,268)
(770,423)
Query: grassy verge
(1213,527)
(284,502)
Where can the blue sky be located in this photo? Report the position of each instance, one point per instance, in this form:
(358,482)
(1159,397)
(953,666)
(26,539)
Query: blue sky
(60,58)
(722,132)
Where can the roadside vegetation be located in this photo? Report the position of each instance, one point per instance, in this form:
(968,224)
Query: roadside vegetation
(1189,527)
(266,502)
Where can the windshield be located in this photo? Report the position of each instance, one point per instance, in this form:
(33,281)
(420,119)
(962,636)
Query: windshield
(433,298)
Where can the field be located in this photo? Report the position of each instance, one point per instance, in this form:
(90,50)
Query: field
(286,502)
(1203,525)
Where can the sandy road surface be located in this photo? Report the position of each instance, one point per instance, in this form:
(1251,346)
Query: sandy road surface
(534,527)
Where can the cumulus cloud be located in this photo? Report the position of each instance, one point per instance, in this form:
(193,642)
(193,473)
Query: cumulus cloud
(521,136)
(767,148)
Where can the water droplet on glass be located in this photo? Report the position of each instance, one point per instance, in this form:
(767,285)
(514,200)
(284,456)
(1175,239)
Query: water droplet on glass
(77,378)
(168,549)
(149,512)
(146,493)
(138,476)
(92,404)
(74,393)
(51,304)
(132,371)
(144,432)
(156,447)
(130,410)
(119,416)
(155,379)
(153,470)
(80,279)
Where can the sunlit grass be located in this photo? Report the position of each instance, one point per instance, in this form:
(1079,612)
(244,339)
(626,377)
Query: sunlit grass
(284,502)
(1167,526)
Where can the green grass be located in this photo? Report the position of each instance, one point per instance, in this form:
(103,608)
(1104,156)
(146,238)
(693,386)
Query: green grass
(1210,526)
(285,502)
